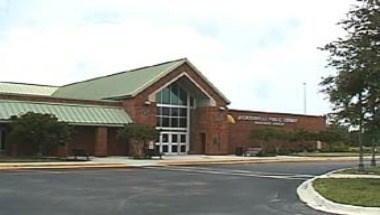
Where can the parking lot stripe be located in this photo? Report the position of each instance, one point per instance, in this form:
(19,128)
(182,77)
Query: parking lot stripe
(231,173)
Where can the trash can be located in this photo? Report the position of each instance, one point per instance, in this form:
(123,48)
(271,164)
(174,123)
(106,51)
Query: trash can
(239,151)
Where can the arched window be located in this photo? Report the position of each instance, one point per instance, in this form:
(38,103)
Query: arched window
(172,95)
(172,107)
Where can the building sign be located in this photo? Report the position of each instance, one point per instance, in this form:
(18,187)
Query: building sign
(263,120)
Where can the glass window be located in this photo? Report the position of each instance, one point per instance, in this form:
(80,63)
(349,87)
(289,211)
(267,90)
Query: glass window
(183,138)
(165,148)
(165,111)
(174,122)
(174,112)
(165,96)
(165,122)
(183,148)
(165,138)
(174,138)
(174,95)
(183,112)
(174,148)
(182,122)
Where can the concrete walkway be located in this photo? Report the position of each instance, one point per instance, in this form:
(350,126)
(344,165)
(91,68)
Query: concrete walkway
(122,161)
(313,199)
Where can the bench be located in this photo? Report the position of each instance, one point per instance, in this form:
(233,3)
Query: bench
(252,151)
(149,153)
(80,153)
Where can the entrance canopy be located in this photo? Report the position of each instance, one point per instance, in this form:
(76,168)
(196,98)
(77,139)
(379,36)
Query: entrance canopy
(76,114)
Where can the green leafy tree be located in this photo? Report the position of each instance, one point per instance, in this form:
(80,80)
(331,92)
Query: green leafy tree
(303,137)
(40,131)
(335,139)
(137,135)
(353,90)
(266,135)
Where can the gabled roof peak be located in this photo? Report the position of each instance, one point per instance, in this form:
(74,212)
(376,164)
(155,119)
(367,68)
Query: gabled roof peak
(130,70)
(125,83)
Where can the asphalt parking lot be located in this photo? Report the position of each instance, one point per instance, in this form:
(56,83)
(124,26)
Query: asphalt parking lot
(222,189)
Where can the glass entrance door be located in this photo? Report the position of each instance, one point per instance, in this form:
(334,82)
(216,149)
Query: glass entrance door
(173,119)
(173,143)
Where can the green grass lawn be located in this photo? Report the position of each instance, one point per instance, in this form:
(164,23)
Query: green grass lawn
(328,154)
(369,171)
(10,159)
(355,191)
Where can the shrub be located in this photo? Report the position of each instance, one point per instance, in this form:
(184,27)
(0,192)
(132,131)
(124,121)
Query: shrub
(137,136)
(284,151)
(41,131)
(336,147)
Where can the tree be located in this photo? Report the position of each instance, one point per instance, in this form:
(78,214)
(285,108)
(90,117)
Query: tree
(40,131)
(354,89)
(266,135)
(137,135)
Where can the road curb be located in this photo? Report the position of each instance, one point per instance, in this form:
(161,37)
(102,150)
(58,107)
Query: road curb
(313,199)
(67,165)
(215,162)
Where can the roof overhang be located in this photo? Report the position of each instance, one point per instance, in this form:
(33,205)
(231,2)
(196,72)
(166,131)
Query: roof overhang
(74,114)
(163,74)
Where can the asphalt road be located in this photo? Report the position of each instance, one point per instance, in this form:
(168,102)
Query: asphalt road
(224,189)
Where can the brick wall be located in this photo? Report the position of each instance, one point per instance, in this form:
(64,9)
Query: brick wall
(115,145)
(208,120)
(239,133)
(82,138)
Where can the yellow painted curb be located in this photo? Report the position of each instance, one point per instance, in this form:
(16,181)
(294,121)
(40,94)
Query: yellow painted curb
(63,166)
(67,165)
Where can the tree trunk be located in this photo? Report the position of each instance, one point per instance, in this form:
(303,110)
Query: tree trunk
(361,150)
(136,148)
(373,160)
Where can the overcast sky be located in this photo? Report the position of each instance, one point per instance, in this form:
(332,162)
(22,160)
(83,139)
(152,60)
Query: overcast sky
(258,53)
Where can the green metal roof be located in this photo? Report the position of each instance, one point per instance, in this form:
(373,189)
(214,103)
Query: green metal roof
(28,89)
(76,114)
(127,83)
(110,87)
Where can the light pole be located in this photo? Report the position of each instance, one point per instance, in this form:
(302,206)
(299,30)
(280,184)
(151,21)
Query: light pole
(304,98)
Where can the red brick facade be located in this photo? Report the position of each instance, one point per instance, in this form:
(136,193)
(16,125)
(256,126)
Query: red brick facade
(210,130)
(248,121)
(209,121)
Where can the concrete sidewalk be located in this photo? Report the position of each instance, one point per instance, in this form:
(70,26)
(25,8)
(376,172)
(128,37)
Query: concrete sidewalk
(313,199)
(123,162)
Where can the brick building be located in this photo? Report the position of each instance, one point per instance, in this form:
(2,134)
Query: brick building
(190,113)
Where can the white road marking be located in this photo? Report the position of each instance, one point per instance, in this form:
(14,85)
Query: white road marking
(245,171)
(231,172)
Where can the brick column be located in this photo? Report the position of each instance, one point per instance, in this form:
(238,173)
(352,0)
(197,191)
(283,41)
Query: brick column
(63,150)
(100,148)
(13,149)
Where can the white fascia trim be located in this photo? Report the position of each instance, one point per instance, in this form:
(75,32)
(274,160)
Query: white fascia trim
(212,100)
(155,79)
(175,66)
(208,82)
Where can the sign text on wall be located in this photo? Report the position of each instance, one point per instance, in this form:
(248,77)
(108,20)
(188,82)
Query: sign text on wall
(263,120)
